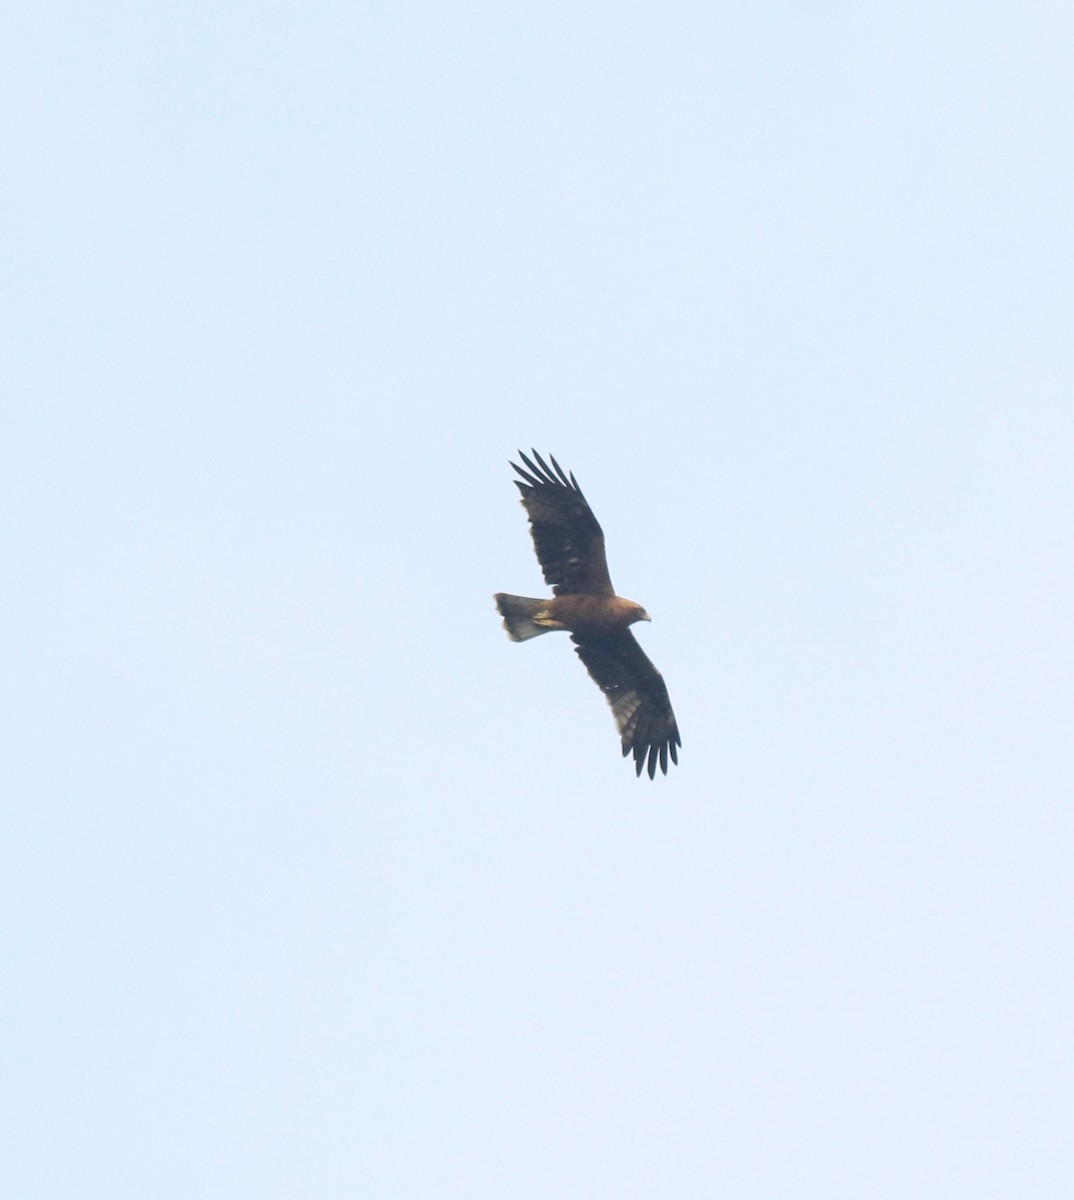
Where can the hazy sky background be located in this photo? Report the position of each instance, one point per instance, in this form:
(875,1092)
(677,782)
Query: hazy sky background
(314,885)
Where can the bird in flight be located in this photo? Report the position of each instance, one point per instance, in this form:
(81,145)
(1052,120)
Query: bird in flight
(570,548)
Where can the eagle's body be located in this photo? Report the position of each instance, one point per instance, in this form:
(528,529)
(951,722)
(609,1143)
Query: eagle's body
(576,613)
(570,548)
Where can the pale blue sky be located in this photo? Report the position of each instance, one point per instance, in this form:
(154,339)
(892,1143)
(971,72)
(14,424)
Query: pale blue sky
(316,885)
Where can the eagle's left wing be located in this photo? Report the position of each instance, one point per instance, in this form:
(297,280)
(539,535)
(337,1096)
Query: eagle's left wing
(639,698)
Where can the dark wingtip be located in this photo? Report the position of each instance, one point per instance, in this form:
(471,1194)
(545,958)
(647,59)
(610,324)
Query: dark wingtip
(532,480)
(538,473)
(648,756)
(534,468)
(549,474)
(567,482)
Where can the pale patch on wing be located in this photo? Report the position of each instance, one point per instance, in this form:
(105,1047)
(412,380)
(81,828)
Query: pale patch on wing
(625,710)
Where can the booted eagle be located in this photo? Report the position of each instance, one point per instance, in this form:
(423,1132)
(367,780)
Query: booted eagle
(570,549)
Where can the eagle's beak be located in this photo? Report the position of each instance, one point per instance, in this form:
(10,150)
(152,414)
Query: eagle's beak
(645,616)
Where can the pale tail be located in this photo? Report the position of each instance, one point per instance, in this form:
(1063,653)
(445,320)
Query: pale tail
(518,613)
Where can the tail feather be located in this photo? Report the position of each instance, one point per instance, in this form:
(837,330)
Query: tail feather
(518,614)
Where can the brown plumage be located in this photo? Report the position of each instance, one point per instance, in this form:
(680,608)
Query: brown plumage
(570,548)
